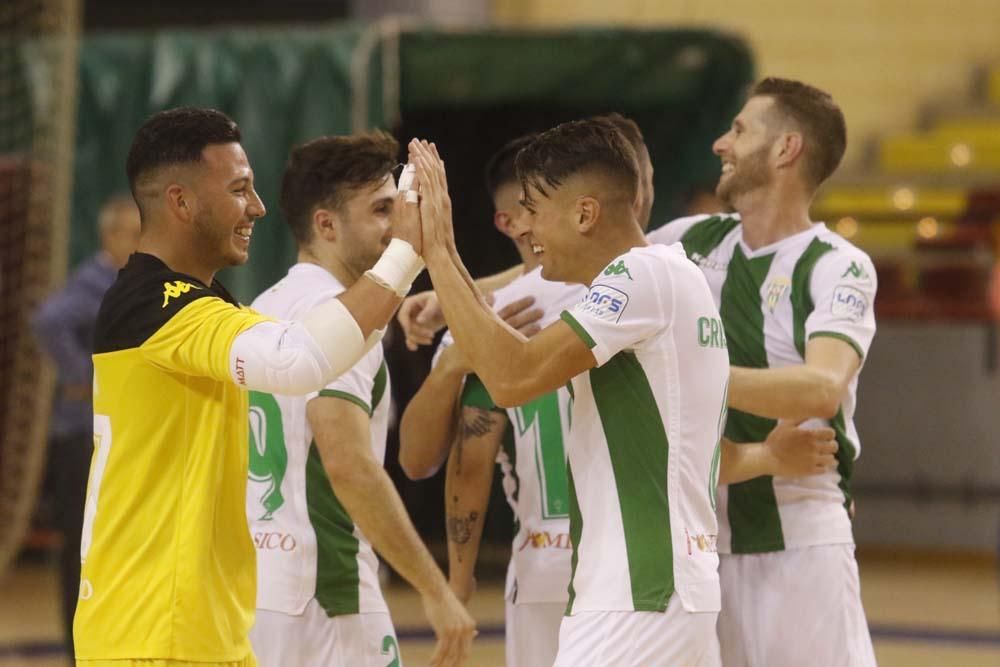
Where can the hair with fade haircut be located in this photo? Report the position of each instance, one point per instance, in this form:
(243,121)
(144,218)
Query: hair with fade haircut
(173,137)
(500,167)
(573,147)
(819,118)
(629,129)
(320,174)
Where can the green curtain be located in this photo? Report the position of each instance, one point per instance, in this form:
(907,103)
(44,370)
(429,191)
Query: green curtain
(285,86)
(282,86)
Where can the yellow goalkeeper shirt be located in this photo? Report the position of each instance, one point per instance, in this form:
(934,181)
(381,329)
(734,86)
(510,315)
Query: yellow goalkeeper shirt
(168,569)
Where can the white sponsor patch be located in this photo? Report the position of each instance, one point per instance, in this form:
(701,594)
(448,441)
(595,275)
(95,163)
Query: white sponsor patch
(604,303)
(849,302)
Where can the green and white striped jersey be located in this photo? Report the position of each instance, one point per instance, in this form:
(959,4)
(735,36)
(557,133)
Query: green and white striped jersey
(532,460)
(644,451)
(307,545)
(773,300)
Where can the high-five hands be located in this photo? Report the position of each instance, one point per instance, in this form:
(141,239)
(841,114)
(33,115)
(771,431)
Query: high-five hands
(406,218)
(435,204)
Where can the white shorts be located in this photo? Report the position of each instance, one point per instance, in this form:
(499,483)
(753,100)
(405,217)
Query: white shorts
(674,638)
(354,640)
(793,608)
(531,638)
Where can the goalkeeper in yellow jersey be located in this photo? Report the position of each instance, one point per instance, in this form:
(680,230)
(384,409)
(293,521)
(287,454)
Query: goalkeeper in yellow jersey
(168,570)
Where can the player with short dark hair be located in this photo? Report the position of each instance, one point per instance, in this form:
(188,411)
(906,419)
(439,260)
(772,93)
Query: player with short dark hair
(649,395)
(527,442)
(167,562)
(316,461)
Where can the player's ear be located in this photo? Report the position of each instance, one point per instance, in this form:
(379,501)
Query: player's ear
(501,220)
(788,148)
(325,224)
(588,210)
(181,201)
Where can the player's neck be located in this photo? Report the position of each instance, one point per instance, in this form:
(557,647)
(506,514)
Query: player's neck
(770,215)
(606,245)
(528,259)
(344,274)
(179,256)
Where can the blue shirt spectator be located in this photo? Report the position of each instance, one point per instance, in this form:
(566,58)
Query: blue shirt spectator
(64,323)
(65,327)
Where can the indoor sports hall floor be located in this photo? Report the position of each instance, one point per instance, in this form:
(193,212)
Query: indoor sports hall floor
(923,613)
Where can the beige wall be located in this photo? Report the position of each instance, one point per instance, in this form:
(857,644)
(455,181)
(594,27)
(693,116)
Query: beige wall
(881,59)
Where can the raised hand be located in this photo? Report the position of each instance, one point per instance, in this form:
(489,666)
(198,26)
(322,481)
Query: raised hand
(406,218)
(435,204)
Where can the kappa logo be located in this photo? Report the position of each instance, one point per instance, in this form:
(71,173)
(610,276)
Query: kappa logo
(175,289)
(617,269)
(776,289)
(856,270)
(605,302)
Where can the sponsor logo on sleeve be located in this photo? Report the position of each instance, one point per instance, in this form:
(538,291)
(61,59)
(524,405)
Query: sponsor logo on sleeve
(175,289)
(849,303)
(605,303)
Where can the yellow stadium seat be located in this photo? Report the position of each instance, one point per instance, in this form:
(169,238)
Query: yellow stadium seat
(927,153)
(890,201)
(970,130)
(887,237)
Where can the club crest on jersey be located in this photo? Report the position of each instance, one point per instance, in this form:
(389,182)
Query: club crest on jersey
(776,289)
(175,289)
(605,303)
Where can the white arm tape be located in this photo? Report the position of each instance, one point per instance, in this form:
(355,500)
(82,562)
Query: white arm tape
(299,357)
(397,268)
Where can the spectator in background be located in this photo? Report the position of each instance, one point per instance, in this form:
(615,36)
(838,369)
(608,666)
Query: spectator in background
(64,325)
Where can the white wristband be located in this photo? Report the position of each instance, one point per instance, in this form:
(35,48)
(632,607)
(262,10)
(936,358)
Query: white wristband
(397,268)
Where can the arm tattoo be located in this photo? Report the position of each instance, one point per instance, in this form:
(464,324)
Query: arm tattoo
(460,527)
